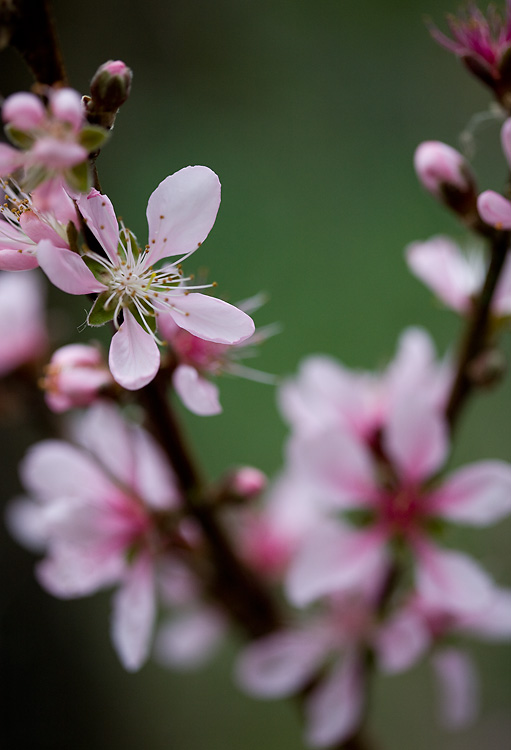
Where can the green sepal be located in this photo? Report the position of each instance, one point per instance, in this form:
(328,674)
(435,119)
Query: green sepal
(96,267)
(99,314)
(35,176)
(19,137)
(78,177)
(150,320)
(92,137)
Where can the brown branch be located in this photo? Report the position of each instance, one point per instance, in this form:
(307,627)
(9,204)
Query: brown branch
(477,330)
(234,585)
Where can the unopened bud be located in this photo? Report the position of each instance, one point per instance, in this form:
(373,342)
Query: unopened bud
(248,482)
(445,173)
(75,376)
(110,86)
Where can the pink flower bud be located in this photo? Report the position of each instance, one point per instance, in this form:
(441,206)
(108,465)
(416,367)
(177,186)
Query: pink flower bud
(75,376)
(248,482)
(23,111)
(110,86)
(441,168)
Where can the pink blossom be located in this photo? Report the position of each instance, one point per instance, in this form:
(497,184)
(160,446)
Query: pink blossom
(180,214)
(456,277)
(481,42)
(23,334)
(23,226)
(199,360)
(55,142)
(75,377)
(284,663)
(390,488)
(94,511)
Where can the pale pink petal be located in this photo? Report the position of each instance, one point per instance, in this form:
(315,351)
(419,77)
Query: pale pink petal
(212,319)
(493,621)
(339,465)
(334,709)
(54,469)
(53,153)
(72,571)
(189,640)
(197,394)
(416,437)
(401,641)
(10,159)
(505,139)
(282,663)
(66,105)
(415,368)
(441,265)
(134,611)
(25,521)
(153,479)
(181,212)
(67,270)
(134,357)
(458,687)
(479,494)
(107,436)
(494,209)
(99,214)
(38,230)
(22,259)
(23,110)
(451,581)
(334,558)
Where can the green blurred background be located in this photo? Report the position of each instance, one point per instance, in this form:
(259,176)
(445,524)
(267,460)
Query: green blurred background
(309,111)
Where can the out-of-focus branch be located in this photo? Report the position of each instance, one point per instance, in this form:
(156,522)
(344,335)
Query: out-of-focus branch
(237,588)
(477,330)
(28,26)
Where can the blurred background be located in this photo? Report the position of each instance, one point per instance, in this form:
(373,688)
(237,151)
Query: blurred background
(310,113)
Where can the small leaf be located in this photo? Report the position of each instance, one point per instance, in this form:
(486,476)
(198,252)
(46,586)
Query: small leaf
(78,177)
(96,267)
(19,137)
(99,314)
(92,137)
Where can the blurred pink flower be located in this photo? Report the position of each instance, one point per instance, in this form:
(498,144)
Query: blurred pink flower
(74,377)
(457,277)
(55,142)
(389,486)
(93,512)
(482,42)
